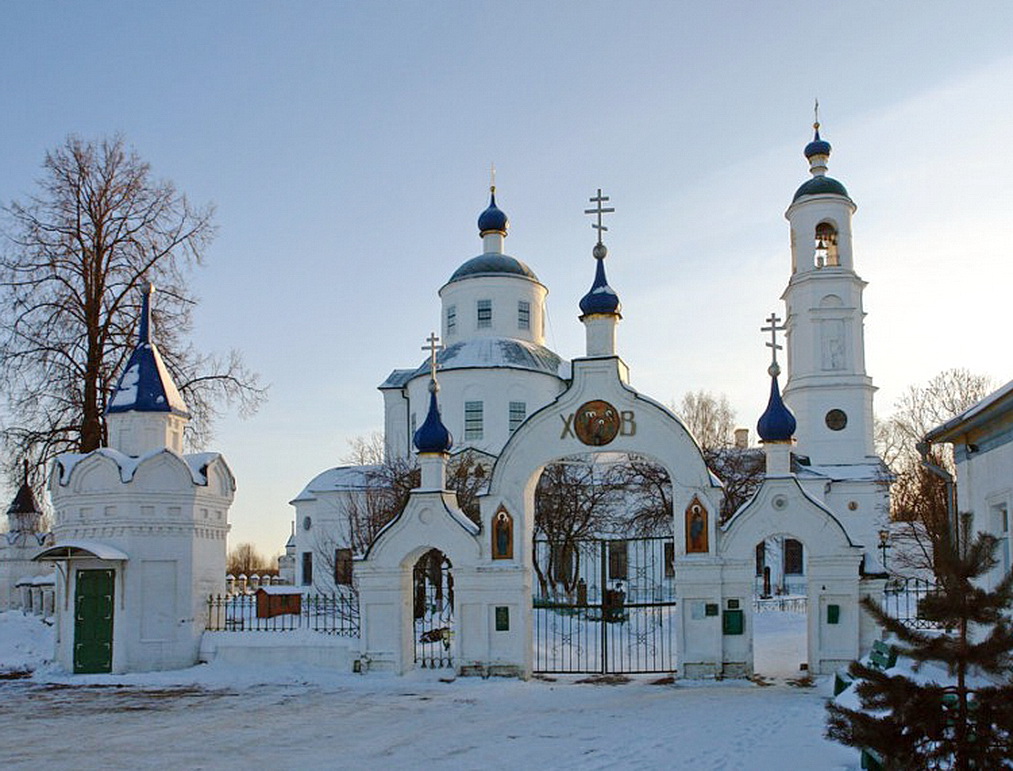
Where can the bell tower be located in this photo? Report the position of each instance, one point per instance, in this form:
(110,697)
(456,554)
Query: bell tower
(827,387)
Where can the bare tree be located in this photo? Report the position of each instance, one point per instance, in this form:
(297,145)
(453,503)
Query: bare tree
(246,560)
(709,417)
(711,420)
(919,497)
(76,255)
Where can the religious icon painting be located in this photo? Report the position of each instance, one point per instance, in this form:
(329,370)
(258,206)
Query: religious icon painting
(502,535)
(696,528)
(596,423)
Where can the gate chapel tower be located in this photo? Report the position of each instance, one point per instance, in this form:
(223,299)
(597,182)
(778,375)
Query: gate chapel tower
(827,387)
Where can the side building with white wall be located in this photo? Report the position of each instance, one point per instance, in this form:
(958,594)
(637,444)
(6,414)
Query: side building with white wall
(139,531)
(982,439)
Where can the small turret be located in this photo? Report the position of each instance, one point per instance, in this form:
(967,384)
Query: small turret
(776,426)
(600,307)
(146,411)
(432,439)
(24,516)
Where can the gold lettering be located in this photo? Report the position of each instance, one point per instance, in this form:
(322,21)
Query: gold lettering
(629,424)
(567,425)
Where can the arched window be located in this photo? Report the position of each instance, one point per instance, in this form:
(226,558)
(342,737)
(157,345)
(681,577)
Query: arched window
(826,246)
(792,557)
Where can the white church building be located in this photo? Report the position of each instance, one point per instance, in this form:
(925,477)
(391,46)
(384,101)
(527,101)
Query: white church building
(140,528)
(439,588)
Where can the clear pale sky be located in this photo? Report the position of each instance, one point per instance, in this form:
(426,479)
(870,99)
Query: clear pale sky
(347,148)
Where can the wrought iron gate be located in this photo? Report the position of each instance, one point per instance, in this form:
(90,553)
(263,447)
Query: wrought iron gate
(604,606)
(433,610)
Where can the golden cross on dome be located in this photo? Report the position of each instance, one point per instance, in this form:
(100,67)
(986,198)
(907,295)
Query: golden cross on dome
(599,210)
(433,347)
(774,328)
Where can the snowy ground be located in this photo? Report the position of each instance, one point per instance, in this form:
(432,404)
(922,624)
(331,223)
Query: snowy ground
(230,717)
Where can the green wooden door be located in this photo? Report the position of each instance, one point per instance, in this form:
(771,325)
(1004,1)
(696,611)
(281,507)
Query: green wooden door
(93,621)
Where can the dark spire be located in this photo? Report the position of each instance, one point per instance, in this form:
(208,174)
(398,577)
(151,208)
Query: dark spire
(776,424)
(601,298)
(145,385)
(432,435)
(492,220)
(144,334)
(24,502)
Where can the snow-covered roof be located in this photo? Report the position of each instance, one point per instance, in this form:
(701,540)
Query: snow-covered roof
(397,379)
(494,352)
(852,472)
(81,549)
(973,415)
(339,479)
(197,463)
(145,385)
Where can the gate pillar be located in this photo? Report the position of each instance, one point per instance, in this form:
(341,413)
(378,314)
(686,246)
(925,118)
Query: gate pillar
(699,598)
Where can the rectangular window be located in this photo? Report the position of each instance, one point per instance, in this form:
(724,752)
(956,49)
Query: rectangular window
(473,420)
(670,560)
(343,567)
(307,568)
(451,319)
(414,427)
(523,315)
(484,314)
(618,560)
(518,411)
(792,557)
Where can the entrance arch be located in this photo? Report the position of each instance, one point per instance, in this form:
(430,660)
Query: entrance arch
(832,573)
(598,413)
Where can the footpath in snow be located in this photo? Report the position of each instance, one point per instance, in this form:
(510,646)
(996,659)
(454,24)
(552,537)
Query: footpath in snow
(218,716)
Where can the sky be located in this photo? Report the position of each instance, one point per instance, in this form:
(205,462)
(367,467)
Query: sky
(347,146)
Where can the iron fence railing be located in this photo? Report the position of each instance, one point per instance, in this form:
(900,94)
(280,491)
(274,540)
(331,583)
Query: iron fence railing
(900,601)
(788,603)
(336,614)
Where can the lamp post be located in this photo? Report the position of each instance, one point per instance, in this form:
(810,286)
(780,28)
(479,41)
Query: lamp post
(884,544)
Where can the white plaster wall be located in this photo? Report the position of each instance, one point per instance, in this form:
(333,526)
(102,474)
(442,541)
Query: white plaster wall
(173,532)
(505,291)
(984,487)
(495,388)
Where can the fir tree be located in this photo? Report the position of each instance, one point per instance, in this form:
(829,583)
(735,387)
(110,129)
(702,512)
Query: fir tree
(918,725)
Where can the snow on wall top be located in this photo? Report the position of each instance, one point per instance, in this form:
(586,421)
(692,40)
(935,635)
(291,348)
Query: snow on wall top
(197,463)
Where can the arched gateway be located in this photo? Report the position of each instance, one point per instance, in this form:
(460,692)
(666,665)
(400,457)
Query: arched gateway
(493,625)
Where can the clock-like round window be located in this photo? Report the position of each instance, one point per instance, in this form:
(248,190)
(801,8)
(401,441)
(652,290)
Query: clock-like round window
(836,420)
(307,523)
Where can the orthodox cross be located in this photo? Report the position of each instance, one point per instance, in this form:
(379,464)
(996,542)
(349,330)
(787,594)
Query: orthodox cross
(816,115)
(492,177)
(433,347)
(599,210)
(774,329)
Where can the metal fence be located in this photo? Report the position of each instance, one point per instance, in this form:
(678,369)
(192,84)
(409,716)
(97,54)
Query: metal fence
(336,614)
(787,603)
(900,600)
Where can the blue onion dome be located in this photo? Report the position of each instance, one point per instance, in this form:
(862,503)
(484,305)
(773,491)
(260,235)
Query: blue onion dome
(817,146)
(776,424)
(821,185)
(492,220)
(432,435)
(601,298)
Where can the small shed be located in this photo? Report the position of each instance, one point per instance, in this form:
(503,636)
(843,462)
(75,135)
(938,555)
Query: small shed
(278,601)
